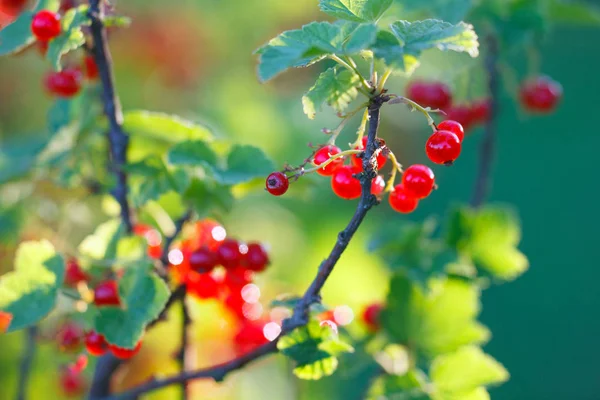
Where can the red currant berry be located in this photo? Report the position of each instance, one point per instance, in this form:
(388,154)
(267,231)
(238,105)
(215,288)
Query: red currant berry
(401,201)
(344,184)
(91,68)
(277,183)
(12,7)
(95,343)
(480,111)
(462,114)
(540,94)
(377,185)
(201,286)
(443,147)
(5,319)
(107,294)
(80,363)
(74,274)
(358,161)
(69,337)
(203,260)
(430,94)
(72,382)
(65,83)
(256,258)
(418,181)
(324,154)
(229,254)
(66,5)
(123,353)
(454,127)
(45,25)
(249,337)
(236,278)
(371,315)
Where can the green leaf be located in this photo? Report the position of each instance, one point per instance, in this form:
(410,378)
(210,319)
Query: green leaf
(17,36)
(335,87)
(488,237)
(117,21)
(207,196)
(435,320)
(71,37)
(314,349)
(410,386)
(148,125)
(465,371)
(143,296)
(18,156)
(312,43)
(109,242)
(192,152)
(452,11)
(59,115)
(245,163)
(29,292)
(401,48)
(155,179)
(355,10)
(573,13)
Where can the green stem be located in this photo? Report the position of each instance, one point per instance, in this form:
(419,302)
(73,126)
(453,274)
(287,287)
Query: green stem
(348,66)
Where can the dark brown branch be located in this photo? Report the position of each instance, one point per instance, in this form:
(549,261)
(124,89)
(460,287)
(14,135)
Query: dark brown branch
(26,362)
(312,294)
(487,150)
(112,108)
(181,356)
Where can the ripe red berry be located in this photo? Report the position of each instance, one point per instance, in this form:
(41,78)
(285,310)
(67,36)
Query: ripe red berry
(249,337)
(91,68)
(45,25)
(540,94)
(277,183)
(95,343)
(12,7)
(236,278)
(66,5)
(65,83)
(463,114)
(69,337)
(371,315)
(229,254)
(480,111)
(5,319)
(74,274)
(72,382)
(443,147)
(202,286)
(418,181)
(454,127)
(430,94)
(344,184)
(124,353)
(358,161)
(324,154)
(401,201)
(107,294)
(203,260)
(256,258)
(377,185)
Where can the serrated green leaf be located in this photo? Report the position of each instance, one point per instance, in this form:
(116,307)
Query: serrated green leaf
(315,41)
(245,163)
(335,87)
(17,35)
(488,237)
(148,125)
(355,10)
(154,179)
(313,348)
(573,13)
(464,371)
(29,292)
(192,152)
(71,37)
(435,320)
(143,296)
(401,48)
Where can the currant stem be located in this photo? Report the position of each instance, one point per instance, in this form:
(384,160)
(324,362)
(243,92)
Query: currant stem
(326,163)
(416,106)
(361,129)
(336,132)
(363,81)
(396,167)
(383,80)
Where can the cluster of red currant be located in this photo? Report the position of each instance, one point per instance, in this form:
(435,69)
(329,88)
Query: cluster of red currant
(46,26)
(418,181)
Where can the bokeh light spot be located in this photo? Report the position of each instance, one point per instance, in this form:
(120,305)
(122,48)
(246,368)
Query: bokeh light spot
(251,293)
(271,331)
(175,257)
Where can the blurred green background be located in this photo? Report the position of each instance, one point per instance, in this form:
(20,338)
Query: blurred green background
(194,58)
